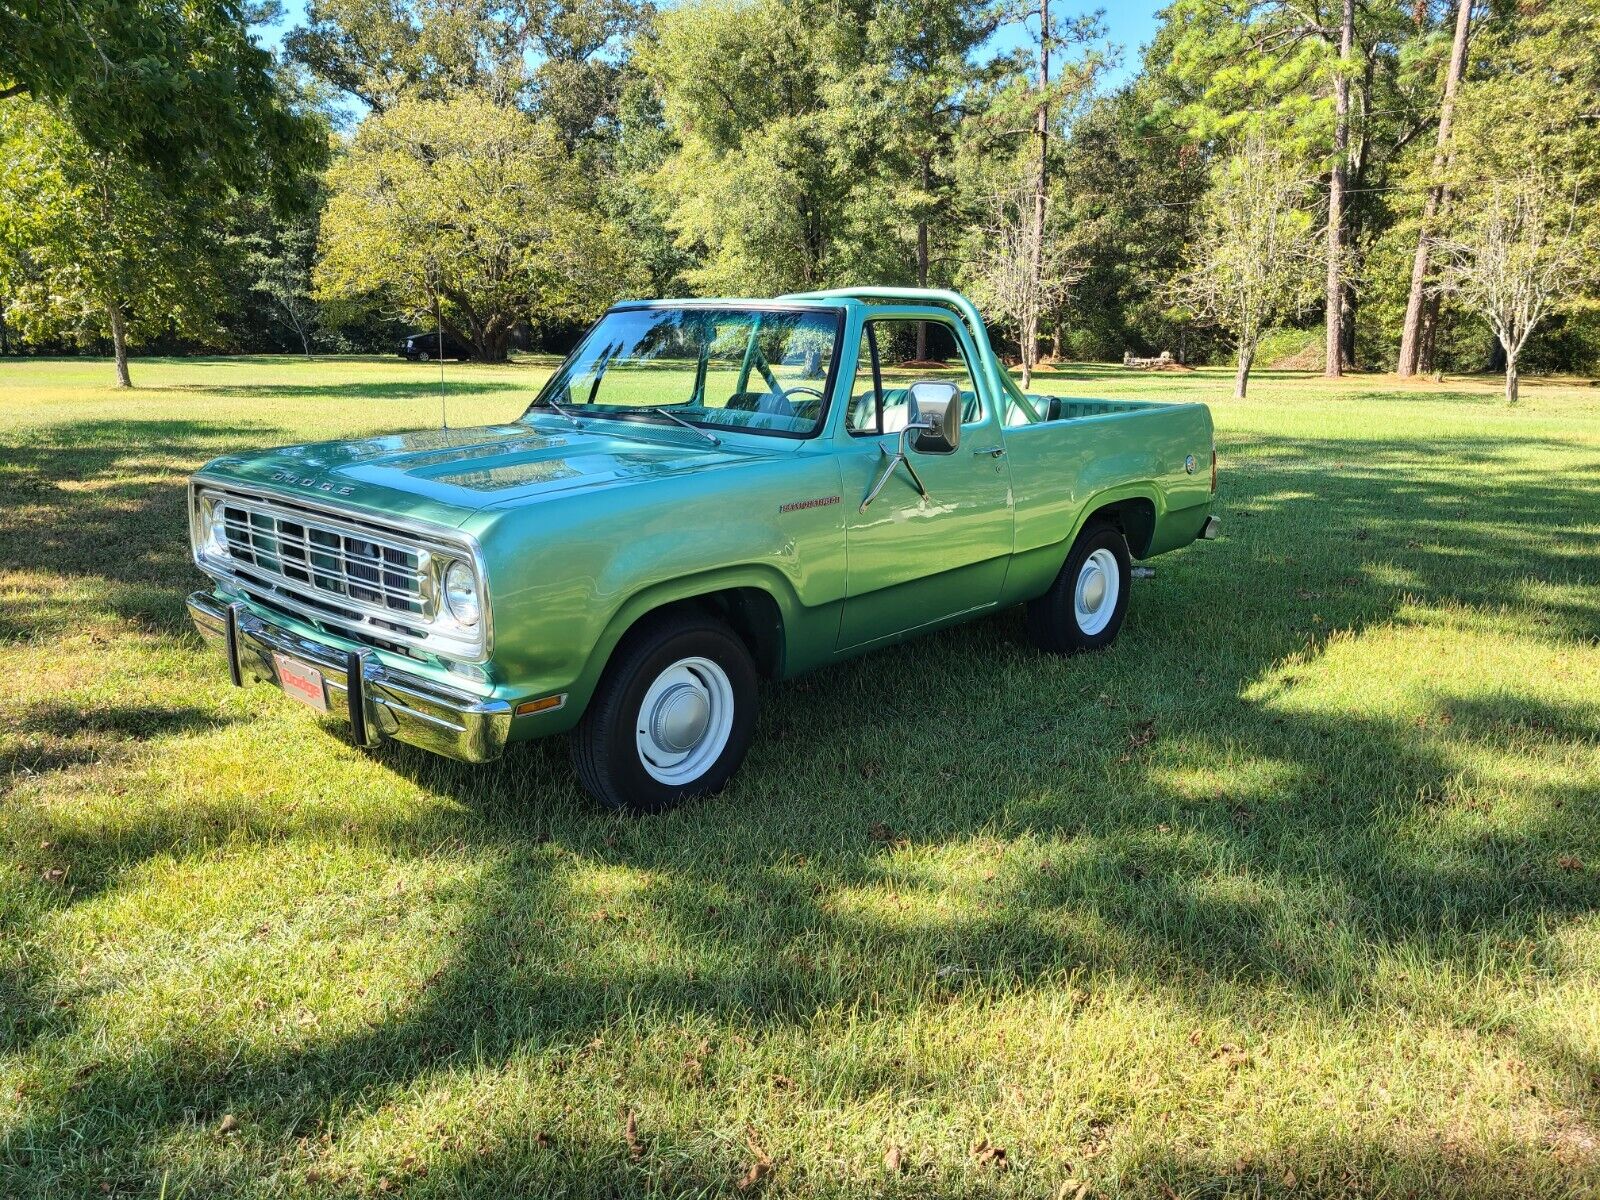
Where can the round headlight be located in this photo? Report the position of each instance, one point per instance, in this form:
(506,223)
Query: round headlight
(213,529)
(461,594)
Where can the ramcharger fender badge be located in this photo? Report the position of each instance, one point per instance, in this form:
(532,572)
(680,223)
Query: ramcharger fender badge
(814,502)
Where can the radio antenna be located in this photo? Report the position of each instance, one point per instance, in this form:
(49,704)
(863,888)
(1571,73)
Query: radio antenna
(438,329)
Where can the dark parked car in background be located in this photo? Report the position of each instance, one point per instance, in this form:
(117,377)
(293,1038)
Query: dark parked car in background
(424,347)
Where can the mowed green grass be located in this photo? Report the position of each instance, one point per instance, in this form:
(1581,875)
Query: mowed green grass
(1295,892)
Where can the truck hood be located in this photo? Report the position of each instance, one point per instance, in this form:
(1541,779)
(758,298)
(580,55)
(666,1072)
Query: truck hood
(446,475)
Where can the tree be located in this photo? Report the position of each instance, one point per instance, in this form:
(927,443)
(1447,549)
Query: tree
(471,212)
(769,184)
(1255,260)
(283,267)
(1513,259)
(179,90)
(922,79)
(1286,69)
(560,58)
(1411,332)
(1052,102)
(1024,270)
(98,245)
(1130,238)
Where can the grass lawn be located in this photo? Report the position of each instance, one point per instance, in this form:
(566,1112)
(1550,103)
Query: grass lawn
(1295,892)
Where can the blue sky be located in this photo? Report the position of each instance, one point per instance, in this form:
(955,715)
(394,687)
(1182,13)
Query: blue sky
(1128,25)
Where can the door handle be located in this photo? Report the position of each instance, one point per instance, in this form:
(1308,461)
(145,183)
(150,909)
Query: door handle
(991,451)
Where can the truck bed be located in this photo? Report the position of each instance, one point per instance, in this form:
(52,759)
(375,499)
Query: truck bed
(1071,408)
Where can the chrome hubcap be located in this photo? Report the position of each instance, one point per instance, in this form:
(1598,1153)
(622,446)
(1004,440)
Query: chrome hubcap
(1094,598)
(685,721)
(680,718)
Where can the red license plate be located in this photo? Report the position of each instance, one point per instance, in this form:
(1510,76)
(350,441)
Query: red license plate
(302,682)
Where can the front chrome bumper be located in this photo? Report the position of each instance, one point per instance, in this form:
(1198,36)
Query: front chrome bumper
(382,704)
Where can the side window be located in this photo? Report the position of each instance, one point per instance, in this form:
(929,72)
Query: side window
(866,409)
(889,364)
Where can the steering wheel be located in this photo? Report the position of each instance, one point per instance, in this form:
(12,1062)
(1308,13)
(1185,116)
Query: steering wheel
(811,407)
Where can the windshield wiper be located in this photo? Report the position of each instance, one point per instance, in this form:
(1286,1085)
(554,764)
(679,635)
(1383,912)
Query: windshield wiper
(549,403)
(672,416)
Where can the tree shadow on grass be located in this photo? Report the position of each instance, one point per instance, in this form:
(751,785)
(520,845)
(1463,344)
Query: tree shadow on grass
(1108,861)
(52,737)
(418,389)
(104,503)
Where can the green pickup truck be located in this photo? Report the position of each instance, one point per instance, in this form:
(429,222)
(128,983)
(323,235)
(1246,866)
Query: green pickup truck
(705,493)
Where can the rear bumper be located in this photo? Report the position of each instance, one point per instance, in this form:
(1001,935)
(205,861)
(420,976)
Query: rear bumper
(383,703)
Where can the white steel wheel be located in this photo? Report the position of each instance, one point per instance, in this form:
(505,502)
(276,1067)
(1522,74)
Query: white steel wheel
(1094,596)
(684,721)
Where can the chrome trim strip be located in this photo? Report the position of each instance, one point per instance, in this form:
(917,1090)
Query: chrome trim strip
(391,704)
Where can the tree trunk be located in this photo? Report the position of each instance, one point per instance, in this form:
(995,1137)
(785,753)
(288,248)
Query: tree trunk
(1028,340)
(1411,332)
(1428,337)
(1347,328)
(1511,378)
(1333,314)
(922,251)
(119,343)
(1030,324)
(1241,380)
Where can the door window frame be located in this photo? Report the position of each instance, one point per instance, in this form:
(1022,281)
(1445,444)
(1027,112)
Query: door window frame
(958,335)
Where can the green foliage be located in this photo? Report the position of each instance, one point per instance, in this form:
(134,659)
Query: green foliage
(472,209)
(179,89)
(1128,187)
(87,233)
(762,184)
(1254,260)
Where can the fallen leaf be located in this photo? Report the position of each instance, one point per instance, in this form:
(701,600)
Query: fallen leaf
(1290,1180)
(1570,862)
(1072,1189)
(782,1081)
(1231,1055)
(230,1124)
(630,1137)
(894,1158)
(986,1153)
(760,1168)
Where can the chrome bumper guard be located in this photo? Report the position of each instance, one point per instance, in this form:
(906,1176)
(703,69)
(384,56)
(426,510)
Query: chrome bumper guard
(380,703)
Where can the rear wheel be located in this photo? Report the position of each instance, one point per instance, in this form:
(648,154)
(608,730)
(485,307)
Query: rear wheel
(423,356)
(1085,606)
(672,718)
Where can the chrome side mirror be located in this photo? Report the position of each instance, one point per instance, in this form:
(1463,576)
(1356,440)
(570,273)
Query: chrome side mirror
(934,412)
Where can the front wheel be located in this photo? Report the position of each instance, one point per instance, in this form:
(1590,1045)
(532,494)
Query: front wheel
(1085,606)
(672,718)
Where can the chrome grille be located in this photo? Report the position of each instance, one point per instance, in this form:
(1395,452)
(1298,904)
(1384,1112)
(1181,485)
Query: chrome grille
(372,579)
(321,558)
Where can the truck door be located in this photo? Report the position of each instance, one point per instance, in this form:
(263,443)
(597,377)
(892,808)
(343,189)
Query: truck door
(914,560)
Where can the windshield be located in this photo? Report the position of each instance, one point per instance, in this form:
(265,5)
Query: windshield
(758,370)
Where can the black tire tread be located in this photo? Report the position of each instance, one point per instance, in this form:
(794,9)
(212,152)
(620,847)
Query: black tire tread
(1050,622)
(591,757)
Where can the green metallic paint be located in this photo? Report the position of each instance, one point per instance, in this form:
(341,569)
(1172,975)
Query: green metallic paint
(585,531)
